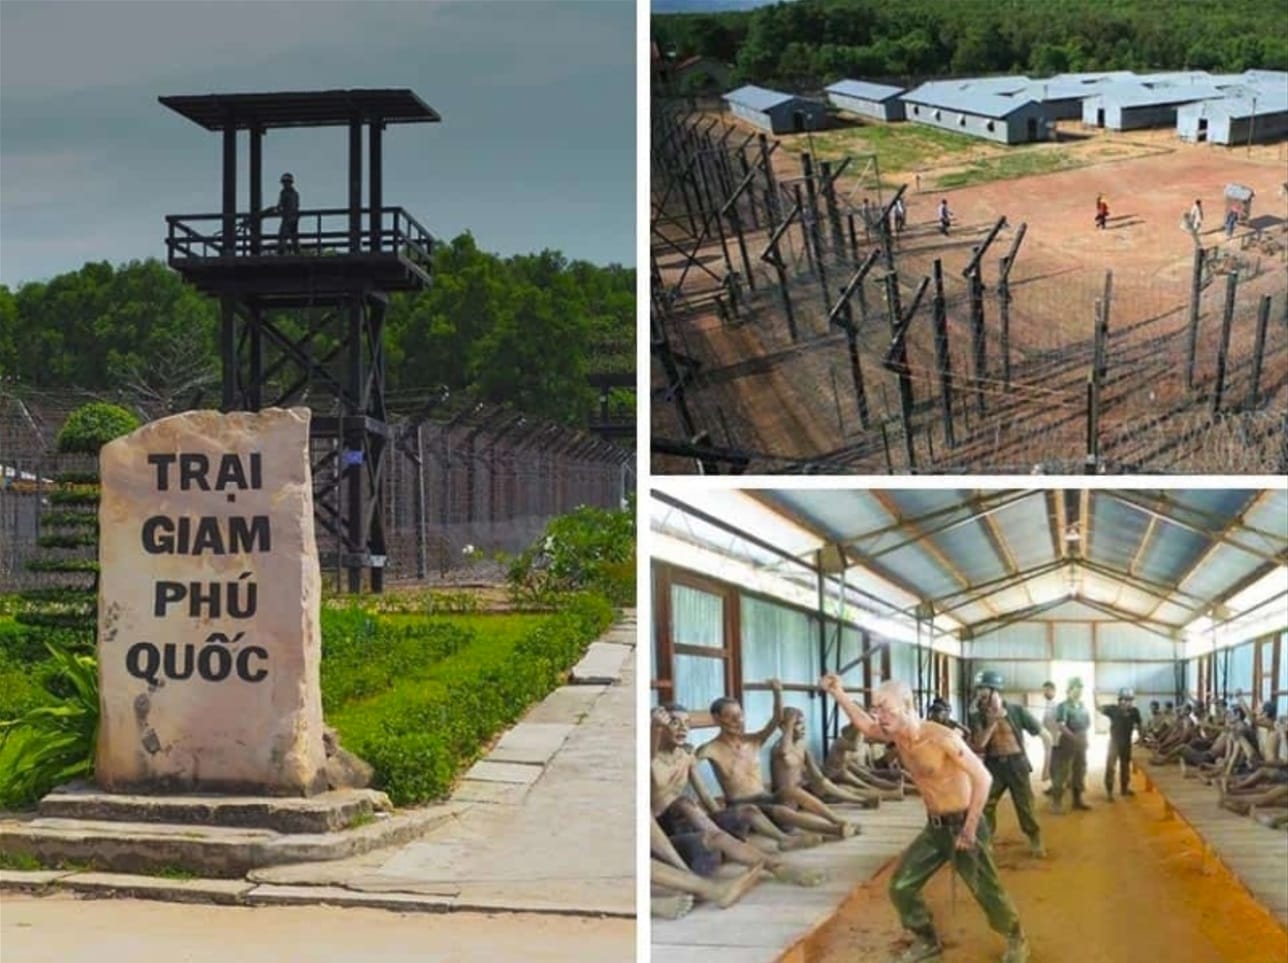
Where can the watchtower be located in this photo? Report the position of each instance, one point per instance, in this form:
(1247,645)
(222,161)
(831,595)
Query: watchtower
(307,321)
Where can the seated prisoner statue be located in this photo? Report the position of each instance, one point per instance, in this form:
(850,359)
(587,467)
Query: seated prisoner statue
(734,756)
(701,834)
(797,779)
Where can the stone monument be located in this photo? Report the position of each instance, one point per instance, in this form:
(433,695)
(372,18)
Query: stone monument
(209,643)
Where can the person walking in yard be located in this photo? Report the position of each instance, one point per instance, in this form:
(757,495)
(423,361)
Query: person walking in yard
(1231,219)
(1196,216)
(900,215)
(954,784)
(1102,211)
(945,216)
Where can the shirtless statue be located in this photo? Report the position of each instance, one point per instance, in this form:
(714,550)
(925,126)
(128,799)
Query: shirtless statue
(675,886)
(734,756)
(703,834)
(954,785)
(799,781)
(845,765)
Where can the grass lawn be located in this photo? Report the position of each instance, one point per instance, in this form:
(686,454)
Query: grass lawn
(1021,162)
(899,147)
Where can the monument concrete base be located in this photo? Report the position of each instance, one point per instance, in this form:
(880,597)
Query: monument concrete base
(212,836)
(324,813)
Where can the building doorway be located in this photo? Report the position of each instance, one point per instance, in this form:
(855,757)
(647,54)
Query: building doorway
(1203,131)
(798,121)
(1100,117)
(1033,129)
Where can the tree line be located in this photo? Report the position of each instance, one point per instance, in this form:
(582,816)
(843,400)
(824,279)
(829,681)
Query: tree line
(523,331)
(807,44)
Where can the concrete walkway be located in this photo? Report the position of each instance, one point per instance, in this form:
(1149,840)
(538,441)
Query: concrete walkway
(544,823)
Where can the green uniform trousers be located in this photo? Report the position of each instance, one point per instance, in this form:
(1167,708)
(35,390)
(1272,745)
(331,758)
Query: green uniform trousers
(1011,773)
(1119,756)
(935,846)
(1069,768)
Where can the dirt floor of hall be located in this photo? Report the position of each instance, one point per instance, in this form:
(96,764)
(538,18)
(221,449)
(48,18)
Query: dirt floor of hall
(1120,883)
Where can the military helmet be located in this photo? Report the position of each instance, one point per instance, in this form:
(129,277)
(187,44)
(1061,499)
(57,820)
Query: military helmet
(989,680)
(1074,683)
(288,178)
(1126,694)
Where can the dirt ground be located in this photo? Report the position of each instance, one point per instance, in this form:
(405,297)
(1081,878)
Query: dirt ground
(760,391)
(63,929)
(1119,883)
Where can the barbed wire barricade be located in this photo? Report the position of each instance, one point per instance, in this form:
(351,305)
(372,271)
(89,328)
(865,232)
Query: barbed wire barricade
(463,489)
(798,328)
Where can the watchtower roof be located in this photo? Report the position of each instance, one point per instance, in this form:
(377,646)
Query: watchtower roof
(302,108)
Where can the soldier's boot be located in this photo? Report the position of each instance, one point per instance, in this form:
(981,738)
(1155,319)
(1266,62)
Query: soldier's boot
(1036,849)
(1078,803)
(1017,949)
(1109,791)
(926,947)
(1057,803)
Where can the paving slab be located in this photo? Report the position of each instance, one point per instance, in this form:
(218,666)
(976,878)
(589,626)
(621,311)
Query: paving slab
(602,664)
(510,772)
(31,879)
(491,793)
(226,891)
(270,895)
(568,703)
(531,743)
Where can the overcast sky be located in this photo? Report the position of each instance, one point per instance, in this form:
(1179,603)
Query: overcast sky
(536,148)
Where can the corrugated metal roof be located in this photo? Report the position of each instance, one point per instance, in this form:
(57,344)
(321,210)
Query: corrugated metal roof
(758,98)
(1266,102)
(864,90)
(967,98)
(1131,94)
(1158,558)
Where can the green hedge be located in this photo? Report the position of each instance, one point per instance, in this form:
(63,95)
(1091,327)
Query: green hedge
(420,733)
(362,656)
(93,425)
(74,496)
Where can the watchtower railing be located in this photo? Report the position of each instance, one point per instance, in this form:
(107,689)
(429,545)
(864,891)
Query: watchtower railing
(322,232)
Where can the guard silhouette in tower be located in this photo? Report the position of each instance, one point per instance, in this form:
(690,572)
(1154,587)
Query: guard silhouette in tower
(288,206)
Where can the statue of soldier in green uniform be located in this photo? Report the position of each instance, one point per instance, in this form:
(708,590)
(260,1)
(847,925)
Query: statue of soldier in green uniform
(1069,765)
(997,732)
(1122,719)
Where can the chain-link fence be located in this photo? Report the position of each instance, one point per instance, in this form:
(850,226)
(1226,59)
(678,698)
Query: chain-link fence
(796,329)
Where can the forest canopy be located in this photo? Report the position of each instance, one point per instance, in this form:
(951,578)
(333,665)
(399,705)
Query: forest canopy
(523,331)
(807,44)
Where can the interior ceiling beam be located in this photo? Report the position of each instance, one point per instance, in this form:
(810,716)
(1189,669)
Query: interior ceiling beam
(976,629)
(1205,556)
(884,499)
(979,507)
(1154,589)
(1029,614)
(1061,522)
(765,498)
(1165,509)
(994,586)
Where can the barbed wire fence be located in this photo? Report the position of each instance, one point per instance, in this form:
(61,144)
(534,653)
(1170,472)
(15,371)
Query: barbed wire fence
(465,487)
(795,329)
